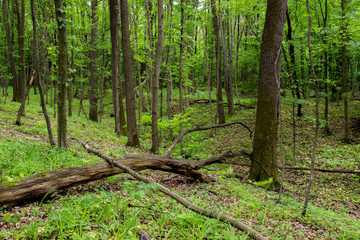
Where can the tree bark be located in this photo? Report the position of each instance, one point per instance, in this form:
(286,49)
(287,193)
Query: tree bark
(62,72)
(317,123)
(293,63)
(264,163)
(155,102)
(93,91)
(132,133)
(115,74)
(219,97)
(21,83)
(345,68)
(10,51)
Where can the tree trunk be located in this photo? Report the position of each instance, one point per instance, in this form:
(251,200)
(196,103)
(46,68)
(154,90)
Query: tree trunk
(115,75)
(317,123)
(73,75)
(264,162)
(219,97)
(37,72)
(293,63)
(93,91)
(228,77)
(132,133)
(21,84)
(155,102)
(345,68)
(62,72)
(10,51)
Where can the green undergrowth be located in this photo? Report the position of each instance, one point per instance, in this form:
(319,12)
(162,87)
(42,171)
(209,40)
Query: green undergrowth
(126,207)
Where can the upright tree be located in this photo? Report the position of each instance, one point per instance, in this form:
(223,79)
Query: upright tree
(62,72)
(10,49)
(219,97)
(264,162)
(345,67)
(37,73)
(93,93)
(132,133)
(21,83)
(115,74)
(155,85)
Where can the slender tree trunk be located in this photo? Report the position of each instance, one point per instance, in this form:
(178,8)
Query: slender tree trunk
(93,82)
(345,68)
(159,51)
(219,97)
(21,84)
(10,51)
(207,71)
(132,133)
(62,72)
(293,63)
(326,87)
(37,72)
(317,124)
(264,163)
(115,75)
(148,30)
(73,75)
(228,77)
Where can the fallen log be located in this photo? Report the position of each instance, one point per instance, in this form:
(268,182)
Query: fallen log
(48,184)
(186,203)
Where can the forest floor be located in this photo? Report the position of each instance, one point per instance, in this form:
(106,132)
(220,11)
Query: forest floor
(119,207)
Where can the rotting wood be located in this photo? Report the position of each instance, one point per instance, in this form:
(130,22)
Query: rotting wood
(186,203)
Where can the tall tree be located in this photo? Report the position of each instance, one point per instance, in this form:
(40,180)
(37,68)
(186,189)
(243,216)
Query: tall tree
(292,61)
(132,133)
(345,67)
(93,93)
(37,72)
(264,163)
(317,123)
(155,85)
(10,50)
(62,72)
(219,97)
(115,74)
(21,83)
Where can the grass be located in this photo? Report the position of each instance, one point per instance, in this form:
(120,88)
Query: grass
(119,207)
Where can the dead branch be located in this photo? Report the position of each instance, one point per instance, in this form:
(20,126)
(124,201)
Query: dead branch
(198,128)
(306,169)
(222,217)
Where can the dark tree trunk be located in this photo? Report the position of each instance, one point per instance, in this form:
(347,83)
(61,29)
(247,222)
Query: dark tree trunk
(10,51)
(132,133)
(62,72)
(264,162)
(219,97)
(37,72)
(73,75)
(326,87)
(159,51)
(115,74)
(345,68)
(21,83)
(293,63)
(227,69)
(93,91)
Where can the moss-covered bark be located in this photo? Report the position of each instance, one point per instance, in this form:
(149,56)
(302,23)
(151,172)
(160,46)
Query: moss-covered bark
(264,163)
